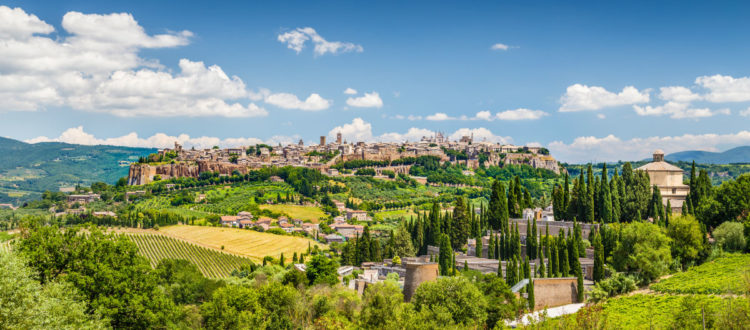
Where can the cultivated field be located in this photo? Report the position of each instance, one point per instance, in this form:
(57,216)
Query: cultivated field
(726,274)
(643,311)
(211,263)
(250,243)
(311,213)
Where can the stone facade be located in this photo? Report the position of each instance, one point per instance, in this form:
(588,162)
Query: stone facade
(669,179)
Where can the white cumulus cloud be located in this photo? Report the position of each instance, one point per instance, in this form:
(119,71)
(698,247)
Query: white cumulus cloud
(678,94)
(350,91)
(521,114)
(612,148)
(725,88)
(677,110)
(440,116)
(77,135)
(369,100)
(296,40)
(580,97)
(314,102)
(499,46)
(96,67)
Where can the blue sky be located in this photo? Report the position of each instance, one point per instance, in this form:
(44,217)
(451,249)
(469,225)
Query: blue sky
(590,80)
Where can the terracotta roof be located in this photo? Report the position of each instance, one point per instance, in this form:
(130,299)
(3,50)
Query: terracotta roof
(659,166)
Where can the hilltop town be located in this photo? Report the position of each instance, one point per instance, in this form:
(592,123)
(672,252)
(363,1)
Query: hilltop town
(381,156)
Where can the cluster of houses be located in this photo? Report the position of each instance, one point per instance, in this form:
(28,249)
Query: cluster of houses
(245,219)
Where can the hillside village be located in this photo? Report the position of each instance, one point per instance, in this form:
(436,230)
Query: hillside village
(181,162)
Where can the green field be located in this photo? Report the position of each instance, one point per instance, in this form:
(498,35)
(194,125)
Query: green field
(659,311)
(726,274)
(212,263)
(305,213)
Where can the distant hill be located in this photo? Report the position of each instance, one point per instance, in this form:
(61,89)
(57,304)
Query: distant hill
(734,155)
(29,169)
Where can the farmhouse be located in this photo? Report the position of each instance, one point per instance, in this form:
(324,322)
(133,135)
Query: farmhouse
(83,199)
(357,215)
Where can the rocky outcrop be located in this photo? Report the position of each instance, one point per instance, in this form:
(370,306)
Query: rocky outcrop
(144,173)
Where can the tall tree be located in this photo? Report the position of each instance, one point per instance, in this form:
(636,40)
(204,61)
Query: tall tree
(605,197)
(598,258)
(445,259)
(459,230)
(498,207)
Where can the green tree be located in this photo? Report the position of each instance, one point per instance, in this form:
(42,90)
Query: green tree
(530,294)
(730,236)
(267,306)
(106,269)
(445,259)
(402,245)
(380,301)
(644,251)
(598,258)
(460,225)
(687,239)
(322,270)
(580,288)
(453,296)
(498,207)
(25,304)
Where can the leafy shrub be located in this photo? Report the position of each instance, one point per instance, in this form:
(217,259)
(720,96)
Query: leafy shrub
(730,236)
(619,283)
(643,251)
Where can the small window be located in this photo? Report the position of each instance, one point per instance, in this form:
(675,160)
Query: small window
(674,190)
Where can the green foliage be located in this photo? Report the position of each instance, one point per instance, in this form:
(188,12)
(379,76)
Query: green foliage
(723,275)
(380,300)
(183,282)
(322,270)
(266,306)
(106,269)
(687,239)
(644,251)
(617,284)
(454,298)
(25,304)
(730,236)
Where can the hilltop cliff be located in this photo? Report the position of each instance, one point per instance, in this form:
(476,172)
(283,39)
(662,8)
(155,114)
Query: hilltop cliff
(144,173)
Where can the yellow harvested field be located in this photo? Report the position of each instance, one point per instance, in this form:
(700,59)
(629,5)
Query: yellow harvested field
(250,243)
(311,213)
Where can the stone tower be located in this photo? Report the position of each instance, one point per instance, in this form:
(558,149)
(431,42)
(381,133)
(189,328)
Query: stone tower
(416,274)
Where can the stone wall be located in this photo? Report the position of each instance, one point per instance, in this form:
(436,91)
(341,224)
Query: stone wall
(552,292)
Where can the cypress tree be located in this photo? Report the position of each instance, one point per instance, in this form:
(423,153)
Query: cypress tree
(566,199)
(598,258)
(529,244)
(667,213)
(294,257)
(542,269)
(445,260)
(491,247)
(527,269)
(281,260)
(479,246)
(565,269)
(530,297)
(535,241)
(466,266)
(580,285)
(554,268)
(575,263)
(606,198)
